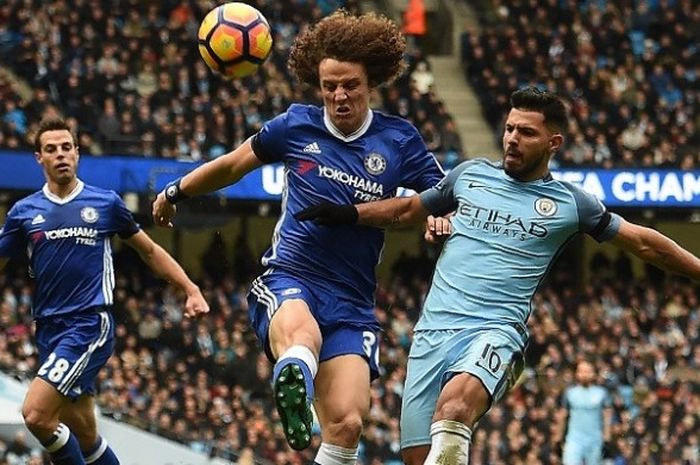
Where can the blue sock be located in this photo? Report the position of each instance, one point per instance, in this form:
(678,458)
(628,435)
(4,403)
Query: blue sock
(63,447)
(101,454)
(305,360)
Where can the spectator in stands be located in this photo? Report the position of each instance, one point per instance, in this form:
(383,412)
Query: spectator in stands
(414,23)
(83,66)
(608,71)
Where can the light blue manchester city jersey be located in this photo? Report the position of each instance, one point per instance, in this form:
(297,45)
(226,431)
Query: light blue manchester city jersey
(68,244)
(322,164)
(585,405)
(506,234)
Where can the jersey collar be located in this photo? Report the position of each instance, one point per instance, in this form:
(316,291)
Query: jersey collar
(61,201)
(350,137)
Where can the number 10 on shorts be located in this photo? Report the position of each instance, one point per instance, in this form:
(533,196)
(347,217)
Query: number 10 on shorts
(490,360)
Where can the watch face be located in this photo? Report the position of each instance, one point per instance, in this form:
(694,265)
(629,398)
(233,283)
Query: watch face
(171,191)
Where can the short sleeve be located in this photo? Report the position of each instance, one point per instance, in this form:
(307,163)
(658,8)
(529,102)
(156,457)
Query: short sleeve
(421,169)
(270,143)
(123,221)
(12,238)
(594,219)
(565,399)
(440,199)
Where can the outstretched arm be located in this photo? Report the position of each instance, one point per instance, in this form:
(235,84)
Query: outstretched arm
(209,177)
(165,266)
(220,172)
(657,249)
(398,211)
(381,214)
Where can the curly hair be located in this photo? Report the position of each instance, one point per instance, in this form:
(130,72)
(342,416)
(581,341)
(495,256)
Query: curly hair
(370,39)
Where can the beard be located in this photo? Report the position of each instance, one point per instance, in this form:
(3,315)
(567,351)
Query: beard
(527,171)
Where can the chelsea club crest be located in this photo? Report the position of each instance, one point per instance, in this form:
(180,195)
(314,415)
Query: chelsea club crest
(375,163)
(89,215)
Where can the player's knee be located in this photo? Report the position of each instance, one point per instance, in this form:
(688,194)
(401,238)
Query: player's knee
(463,399)
(345,431)
(40,423)
(463,410)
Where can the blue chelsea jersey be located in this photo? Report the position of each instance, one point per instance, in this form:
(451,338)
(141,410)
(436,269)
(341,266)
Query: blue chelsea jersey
(322,164)
(68,244)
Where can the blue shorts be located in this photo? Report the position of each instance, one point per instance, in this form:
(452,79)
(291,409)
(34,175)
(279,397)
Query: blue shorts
(341,335)
(73,348)
(493,355)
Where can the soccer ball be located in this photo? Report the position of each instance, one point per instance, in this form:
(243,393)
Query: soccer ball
(234,39)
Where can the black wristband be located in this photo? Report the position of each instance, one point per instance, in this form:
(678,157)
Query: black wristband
(173,193)
(329,214)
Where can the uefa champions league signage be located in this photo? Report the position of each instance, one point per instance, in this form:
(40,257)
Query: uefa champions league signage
(638,188)
(616,188)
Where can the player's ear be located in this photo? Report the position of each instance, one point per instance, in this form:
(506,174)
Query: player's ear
(37,157)
(555,142)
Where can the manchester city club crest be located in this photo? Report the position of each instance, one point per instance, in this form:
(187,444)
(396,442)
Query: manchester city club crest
(545,206)
(89,215)
(375,163)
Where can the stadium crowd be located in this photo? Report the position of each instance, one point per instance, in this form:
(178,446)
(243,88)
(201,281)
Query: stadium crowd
(128,75)
(130,79)
(630,69)
(205,383)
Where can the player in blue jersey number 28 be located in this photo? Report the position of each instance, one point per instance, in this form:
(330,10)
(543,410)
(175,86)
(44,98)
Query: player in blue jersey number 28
(510,221)
(66,229)
(313,307)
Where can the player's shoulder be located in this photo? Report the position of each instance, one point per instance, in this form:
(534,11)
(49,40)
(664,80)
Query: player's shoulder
(482,162)
(579,196)
(477,164)
(100,191)
(92,193)
(567,186)
(301,110)
(384,121)
(29,202)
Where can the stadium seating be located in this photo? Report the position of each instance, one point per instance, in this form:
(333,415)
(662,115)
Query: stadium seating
(205,383)
(631,71)
(131,80)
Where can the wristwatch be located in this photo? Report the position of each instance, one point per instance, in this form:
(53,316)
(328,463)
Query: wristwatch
(173,193)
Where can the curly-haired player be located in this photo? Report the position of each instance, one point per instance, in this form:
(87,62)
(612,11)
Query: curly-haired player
(313,308)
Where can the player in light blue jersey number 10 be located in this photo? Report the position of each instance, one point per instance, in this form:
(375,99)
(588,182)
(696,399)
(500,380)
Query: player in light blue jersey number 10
(66,230)
(313,308)
(510,222)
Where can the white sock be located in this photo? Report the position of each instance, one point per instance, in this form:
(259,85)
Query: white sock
(61,435)
(449,443)
(329,454)
(304,354)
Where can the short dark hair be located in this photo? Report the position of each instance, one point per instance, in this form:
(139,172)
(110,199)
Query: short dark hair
(50,124)
(371,39)
(542,101)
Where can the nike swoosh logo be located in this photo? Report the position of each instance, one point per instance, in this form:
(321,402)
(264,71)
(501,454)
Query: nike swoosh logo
(475,185)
